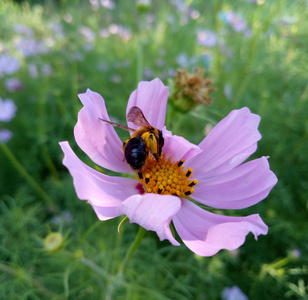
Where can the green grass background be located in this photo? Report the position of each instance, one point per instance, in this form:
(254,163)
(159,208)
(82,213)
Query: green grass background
(266,71)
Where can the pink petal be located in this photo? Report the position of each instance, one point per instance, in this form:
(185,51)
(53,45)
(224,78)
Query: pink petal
(177,148)
(240,187)
(153,212)
(96,138)
(206,233)
(228,144)
(151,97)
(104,193)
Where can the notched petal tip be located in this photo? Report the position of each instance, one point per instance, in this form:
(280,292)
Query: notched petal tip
(206,233)
(238,188)
(228,144)
(153,212)
(151,97)
(97,139)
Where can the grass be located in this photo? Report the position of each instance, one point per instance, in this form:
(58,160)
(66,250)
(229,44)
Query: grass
(264,69)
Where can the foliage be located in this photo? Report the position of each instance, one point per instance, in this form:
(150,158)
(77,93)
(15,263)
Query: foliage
(80,45)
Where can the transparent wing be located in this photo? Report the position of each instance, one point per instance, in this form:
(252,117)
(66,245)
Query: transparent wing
(117,125)
(136,116)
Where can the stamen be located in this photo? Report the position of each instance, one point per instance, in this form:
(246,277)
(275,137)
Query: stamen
(180,162)
(193,182)
(166,178)
(188,173)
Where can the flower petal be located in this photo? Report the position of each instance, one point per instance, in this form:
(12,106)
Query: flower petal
(153,212)
(177,148)
(151,97)
(240,187)
(228,144)
(206,233)
(96,138)
(104,193)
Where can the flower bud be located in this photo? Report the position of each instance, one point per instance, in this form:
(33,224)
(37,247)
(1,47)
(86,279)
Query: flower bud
(53,242)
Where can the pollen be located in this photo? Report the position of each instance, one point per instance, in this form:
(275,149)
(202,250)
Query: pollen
(165,177)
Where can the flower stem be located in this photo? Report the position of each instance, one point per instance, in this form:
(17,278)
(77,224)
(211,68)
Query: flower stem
(133,248)
(139,66)
(23,172)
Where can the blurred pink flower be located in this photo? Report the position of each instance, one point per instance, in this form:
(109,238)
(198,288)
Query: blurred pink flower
(214,167)
(236,21)
(207,38)
(13,84)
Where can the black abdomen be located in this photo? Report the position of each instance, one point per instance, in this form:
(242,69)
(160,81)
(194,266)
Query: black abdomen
(135,153)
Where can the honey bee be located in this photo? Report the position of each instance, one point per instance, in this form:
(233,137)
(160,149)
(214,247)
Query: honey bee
(144,139)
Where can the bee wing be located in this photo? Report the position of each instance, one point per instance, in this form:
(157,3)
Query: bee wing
(136,116)
(117,125)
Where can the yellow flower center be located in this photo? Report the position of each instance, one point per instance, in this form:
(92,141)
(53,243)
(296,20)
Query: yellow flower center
(166,178)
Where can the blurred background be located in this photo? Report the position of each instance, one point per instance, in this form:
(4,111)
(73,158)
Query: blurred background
(255,54)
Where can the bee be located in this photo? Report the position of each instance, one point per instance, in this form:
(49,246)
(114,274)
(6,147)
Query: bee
(143,140)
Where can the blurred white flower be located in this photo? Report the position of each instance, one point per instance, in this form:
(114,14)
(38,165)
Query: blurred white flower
(57,28)
(233,293)
(296,253)
(94,4)
(68,18)
(46,69)
(8,64)
(123,32)
(116,78)
(32,68)
(207,38)
(5,135)
(148,73)
(104,33)
(65,217)
(184,61)
(228,91)
(108,4)
(87,33)
(7,110)
(22,29)
(195,14)
(236,21)
(29,47)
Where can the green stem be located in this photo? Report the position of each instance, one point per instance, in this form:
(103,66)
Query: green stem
(133,248)
(41,131)
(97,269)
(245,77)
(22,274)
(218,68)
(139,60)
(23,172)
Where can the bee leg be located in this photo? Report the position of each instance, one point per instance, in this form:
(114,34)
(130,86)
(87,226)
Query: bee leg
(156,156)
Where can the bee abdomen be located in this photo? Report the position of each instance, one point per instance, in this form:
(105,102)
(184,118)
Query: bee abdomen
(135,153)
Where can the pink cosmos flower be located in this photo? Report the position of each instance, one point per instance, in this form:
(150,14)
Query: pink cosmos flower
(212,173)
